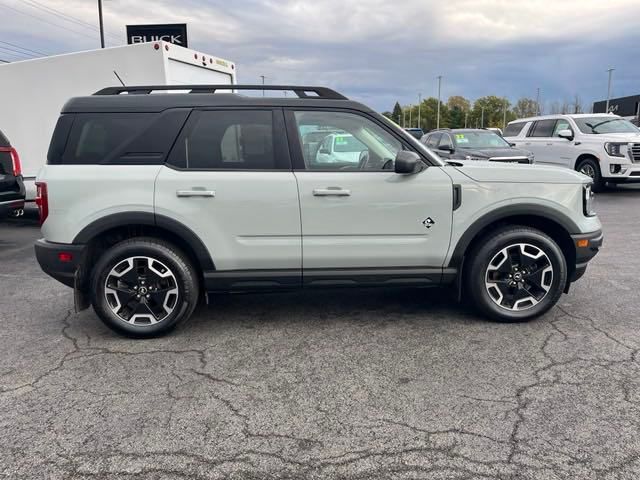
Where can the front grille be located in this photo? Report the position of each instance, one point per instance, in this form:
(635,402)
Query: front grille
(635,152)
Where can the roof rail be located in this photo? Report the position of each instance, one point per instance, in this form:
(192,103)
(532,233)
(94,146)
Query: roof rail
(300,91)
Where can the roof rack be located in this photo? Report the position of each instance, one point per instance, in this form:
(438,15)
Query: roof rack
(300,91)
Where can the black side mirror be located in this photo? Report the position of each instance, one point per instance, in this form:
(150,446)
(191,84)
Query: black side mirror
(446,148)
(512,144)
(407,163)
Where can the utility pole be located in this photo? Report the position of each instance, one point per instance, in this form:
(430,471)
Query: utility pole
(610,70)
(538,102)
(410,116)
(438,117)
(466,116)
(262,77)
(482,118)
(504,115)
(419,107)
(101,24)
(404,118)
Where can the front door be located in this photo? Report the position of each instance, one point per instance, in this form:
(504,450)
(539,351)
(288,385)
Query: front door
(357,214)
(229,180)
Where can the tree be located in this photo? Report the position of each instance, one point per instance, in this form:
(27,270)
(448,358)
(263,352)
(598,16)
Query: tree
(396,116)
(458,108)
(489,111)
(525,107)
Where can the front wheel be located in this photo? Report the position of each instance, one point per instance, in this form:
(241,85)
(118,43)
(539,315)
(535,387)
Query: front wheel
(516,274)
(143,287)
(591,168)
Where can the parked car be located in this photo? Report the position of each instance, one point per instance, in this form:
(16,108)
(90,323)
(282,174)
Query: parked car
(340,148)
(474,144)
(603,146)
(495,129)
(149,202)
(11,183)
(415,132)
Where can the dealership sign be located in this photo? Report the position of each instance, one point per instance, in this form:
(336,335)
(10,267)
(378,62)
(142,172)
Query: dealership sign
(175,33)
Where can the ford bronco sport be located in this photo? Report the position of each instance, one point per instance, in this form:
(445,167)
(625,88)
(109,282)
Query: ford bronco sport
(150,201)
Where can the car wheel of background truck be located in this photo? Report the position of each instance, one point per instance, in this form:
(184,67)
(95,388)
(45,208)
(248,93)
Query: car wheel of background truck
(143,287)
(515,274)
(591,168)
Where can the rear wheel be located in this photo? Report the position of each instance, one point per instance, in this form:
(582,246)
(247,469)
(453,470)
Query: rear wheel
(591,168)
(143,287)
(516,274)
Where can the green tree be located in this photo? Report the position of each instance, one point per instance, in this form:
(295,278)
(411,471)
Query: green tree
(396,116)
(525,107)
(458,108)
(489,112)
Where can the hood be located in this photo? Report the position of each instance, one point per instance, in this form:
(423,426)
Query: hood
(495,152)
(614,137)
(518,173)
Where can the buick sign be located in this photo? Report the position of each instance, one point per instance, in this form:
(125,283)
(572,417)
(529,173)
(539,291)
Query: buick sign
(175,33)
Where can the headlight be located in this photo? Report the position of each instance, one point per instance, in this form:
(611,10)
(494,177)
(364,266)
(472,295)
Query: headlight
(588,201)
(616,149)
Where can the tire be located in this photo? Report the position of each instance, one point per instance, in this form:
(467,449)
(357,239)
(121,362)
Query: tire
(143,287)
(532,258)
(591,168)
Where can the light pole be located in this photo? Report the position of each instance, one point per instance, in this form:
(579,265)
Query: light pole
(419,105)
(262,77)
(438,116)
(482,118)
(504,115)
(609,89)
(410,115)
(538,102)
(101,24)
(466,116)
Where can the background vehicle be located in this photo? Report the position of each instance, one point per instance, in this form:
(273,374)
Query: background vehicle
(341,148)
(11,186)
(32,92)
(603,146)
(415,132)
(195,193)
(474,144)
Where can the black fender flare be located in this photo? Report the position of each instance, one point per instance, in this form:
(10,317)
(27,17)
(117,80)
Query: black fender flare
(504,213)
(124,219)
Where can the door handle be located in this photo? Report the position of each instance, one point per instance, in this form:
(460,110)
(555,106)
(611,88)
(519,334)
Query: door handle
(331,191)
(549,144)
(195,193)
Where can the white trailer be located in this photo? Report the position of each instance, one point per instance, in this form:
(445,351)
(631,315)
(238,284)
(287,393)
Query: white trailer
(32,92)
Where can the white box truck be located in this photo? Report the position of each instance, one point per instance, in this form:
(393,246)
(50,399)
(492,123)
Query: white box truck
(32,92)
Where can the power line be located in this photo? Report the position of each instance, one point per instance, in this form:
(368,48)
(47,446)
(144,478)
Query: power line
(24,48)
(63,16)
(18,52)
(47,21)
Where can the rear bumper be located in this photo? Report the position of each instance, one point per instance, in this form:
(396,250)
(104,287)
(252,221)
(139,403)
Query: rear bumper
(48,255)
(585,253)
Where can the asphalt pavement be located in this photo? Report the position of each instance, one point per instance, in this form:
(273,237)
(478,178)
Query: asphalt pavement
(353,384)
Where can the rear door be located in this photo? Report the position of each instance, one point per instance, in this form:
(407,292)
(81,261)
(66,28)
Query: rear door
(229,180)
(539,141)
(364,219)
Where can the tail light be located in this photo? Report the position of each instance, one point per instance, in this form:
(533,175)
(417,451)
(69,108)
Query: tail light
(42,201)
(15,159)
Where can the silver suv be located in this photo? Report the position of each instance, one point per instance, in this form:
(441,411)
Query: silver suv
(149,202)
(602,146)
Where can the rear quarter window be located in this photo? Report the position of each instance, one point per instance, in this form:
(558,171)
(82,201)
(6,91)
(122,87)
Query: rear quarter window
(514,129)
(93,138)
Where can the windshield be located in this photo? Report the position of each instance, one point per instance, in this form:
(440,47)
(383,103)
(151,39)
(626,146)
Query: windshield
(600,125)
(483,139)
(348,143)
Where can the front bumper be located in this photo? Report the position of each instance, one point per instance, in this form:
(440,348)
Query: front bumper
(60,260)
(631,172)
(587,246)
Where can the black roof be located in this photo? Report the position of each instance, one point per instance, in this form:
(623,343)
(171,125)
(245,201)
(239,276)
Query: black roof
(142,98)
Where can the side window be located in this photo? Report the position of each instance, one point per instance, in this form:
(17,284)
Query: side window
(542,128)
(433,140)
(561,125)
(514,129)
(358,143)
(94,137)
(234,140)
(445,141)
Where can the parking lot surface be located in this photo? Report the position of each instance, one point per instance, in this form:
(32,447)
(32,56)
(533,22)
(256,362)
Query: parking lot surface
(327,384)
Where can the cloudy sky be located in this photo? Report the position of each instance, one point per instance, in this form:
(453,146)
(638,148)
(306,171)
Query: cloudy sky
(376,51)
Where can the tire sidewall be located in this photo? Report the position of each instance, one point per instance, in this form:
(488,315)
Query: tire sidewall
(187,290)
(490,248)
(598,183)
